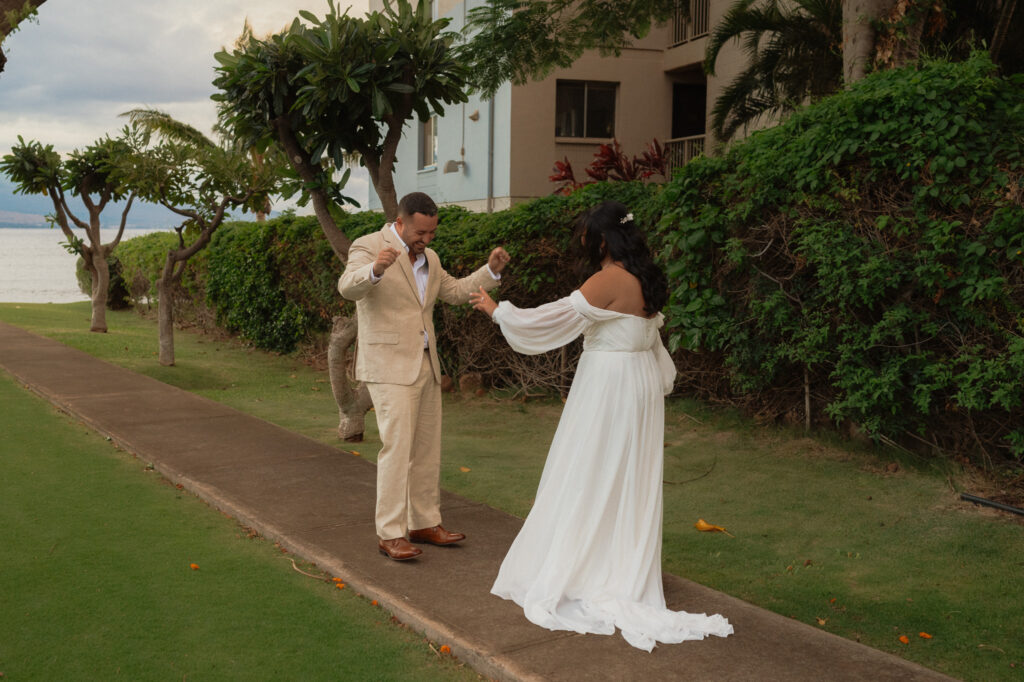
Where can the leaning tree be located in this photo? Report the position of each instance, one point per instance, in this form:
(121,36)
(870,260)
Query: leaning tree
(92,175)
(200,181)
(325,89)
(12,13)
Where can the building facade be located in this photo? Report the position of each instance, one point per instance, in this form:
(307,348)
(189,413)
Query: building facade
(487,155)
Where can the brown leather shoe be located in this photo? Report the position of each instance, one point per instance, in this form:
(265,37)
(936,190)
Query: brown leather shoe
(398,549)
(435,536)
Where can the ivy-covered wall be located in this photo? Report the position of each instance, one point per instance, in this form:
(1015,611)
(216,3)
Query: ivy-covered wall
(870,253)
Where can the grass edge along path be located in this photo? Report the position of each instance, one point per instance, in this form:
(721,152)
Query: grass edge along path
(824,533)
(111,571)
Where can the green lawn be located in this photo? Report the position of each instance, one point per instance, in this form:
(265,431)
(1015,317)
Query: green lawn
(823,532)
(96,584)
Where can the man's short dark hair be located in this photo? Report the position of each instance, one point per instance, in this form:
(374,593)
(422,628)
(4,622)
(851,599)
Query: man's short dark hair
(417,202)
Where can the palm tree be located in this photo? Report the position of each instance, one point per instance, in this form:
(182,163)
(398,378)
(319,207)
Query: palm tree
(794,54)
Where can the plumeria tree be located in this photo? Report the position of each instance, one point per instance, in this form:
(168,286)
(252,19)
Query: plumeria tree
(524,40)
(331,88)
(325,90)
(90,175)
(176,166)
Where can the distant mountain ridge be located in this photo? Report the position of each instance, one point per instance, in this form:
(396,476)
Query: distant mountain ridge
(15,219)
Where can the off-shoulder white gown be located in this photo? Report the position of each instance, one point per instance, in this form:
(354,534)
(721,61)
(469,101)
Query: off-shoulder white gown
(588,558)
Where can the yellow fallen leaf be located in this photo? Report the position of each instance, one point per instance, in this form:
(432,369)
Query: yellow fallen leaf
(822,621)
(464,469)
(703,525)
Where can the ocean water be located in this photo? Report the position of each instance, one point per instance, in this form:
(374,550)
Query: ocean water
(35,268)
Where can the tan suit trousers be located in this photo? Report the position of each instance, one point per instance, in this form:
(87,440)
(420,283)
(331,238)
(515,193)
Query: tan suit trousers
(409,464)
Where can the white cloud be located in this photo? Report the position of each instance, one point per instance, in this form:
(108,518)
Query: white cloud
(83,63)
(71,73)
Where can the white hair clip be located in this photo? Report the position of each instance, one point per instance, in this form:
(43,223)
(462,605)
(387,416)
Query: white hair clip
(628,217)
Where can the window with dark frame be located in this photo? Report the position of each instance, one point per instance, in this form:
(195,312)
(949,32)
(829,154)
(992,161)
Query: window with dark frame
(428,143)
(585,109)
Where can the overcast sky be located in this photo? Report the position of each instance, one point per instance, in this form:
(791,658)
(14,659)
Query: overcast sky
(80,64)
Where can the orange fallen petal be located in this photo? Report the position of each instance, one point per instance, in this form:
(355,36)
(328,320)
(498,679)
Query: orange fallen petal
(904,639)
(924,635)
(703,525)
(464,469)
(445,649)
(373,603)
(355,453)
(340,586)
(194,567)
(337,580)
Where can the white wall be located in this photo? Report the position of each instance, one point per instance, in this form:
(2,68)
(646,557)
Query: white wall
(457,132)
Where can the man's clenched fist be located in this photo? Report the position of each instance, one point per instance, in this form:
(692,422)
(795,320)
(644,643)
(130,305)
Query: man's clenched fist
(385,259)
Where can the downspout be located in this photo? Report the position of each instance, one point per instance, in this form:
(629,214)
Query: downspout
(490,155)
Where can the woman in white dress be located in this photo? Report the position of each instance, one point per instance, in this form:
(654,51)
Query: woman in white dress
(588,558)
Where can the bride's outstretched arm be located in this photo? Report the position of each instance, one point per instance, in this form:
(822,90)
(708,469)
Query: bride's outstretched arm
(533,330)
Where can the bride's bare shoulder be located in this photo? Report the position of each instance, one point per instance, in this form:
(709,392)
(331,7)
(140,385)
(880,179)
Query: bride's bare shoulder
(603,287)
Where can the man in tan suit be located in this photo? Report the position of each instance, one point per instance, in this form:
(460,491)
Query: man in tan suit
(395,280)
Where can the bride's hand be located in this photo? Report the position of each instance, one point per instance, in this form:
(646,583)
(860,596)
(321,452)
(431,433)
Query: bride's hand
(482,302)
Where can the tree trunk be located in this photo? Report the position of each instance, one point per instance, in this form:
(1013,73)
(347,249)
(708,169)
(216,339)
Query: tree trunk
(897,42)
(1002,27)
(165,316)
(338,240)
(299,160)
(352,403)
(384,186)
(908,49)
(100,289)
(859,35)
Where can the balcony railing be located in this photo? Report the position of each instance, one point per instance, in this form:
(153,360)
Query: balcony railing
(682,150)
(695,26)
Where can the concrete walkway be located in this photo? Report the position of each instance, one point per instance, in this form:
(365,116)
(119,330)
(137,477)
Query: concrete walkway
(318,503)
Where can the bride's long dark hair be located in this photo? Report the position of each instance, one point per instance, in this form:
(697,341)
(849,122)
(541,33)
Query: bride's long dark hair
(607,229)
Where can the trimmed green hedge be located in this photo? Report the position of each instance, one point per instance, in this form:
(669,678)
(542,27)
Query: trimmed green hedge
(867,254)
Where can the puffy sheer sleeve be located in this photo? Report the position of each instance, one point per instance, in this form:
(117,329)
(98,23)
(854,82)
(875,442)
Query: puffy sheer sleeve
(537,330)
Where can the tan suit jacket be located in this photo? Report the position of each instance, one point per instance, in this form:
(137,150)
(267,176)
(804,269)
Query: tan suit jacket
(392,319)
